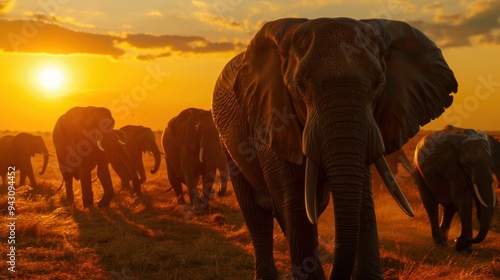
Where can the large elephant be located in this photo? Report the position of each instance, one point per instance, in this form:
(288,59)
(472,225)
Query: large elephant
(140,140)
(304,111)
(192,149)
(453,168)
(392,160)
(84,138)
(17,151)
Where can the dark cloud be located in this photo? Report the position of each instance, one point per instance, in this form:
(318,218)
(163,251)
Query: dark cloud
(454,30)
(178,43)
(49,37)
(36,36)
(147,57)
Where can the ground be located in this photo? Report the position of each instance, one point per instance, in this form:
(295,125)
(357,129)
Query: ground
(153,238)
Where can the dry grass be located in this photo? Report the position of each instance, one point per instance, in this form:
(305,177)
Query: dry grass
(152,238)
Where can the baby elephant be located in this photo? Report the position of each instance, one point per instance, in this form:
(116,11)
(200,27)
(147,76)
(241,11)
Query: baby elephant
(453,168)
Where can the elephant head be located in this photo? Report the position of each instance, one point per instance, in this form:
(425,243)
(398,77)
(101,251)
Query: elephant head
(28,145)
(337,94)
(140,140)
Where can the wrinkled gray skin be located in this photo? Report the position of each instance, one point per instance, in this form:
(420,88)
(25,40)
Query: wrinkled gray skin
(84,138)
(189,137)
(140,140)
(304,111)
(17,151)
(393,159)
(453,169)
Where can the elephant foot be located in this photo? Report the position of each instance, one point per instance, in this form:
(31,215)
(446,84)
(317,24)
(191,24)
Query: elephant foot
(221,192)
(463,244)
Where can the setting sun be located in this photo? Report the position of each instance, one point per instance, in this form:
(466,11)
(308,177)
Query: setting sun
(51,78)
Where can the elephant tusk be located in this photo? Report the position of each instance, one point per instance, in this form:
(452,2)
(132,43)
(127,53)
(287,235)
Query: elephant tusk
(310,191)
(390,182)
(150,153)
(408,166)
(201,154)
(99,145)
(122,142)
(476,190)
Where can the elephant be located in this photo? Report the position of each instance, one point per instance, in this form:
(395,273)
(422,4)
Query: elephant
(192,149)
(453,168)
(140,139)
(17,151)
(84,138)
(392,161)
(304,111)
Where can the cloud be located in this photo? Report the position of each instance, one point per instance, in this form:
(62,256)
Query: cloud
(155,13)
(6,5)
(480,25)
(36,36)
(57,19)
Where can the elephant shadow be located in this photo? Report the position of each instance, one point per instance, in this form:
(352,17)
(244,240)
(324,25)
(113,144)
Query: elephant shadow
(132,242)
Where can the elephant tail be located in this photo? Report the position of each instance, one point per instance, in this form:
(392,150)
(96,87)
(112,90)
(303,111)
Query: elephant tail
(62,183)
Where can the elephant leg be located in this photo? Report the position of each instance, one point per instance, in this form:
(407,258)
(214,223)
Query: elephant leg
(223,178)
(107,185)
(448,213)
(22,180)
(68,182)
(176,184)
(431,207)
(285,184)
(86,183)
(260,224)
(463,202)
(194,194)
(368,264)
(31,175)
(122,172)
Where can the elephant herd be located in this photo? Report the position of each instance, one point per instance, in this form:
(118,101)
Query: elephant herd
(297,118)
(84,138)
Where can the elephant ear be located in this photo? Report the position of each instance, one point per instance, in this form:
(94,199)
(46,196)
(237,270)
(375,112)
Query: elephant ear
(418,83)
(183,128)
(22,144)
(260,88)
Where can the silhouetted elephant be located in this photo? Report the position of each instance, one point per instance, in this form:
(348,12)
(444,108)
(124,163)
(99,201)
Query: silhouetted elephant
(17,151)
(304,111)
(453,168)
(192,149)
(140,140)
(84,138)
(393,159)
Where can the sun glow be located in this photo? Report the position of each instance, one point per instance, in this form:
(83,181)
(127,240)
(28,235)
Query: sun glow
(51,78)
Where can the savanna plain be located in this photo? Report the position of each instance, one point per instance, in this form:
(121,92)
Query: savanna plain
(152,238)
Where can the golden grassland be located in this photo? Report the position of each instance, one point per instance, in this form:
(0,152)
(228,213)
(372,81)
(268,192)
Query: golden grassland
(153,238)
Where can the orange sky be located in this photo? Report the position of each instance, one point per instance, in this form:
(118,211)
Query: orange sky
(148,61)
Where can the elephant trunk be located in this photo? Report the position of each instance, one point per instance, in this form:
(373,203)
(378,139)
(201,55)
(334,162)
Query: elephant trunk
(336,142)
(485,193)
(45,162)
(157,154)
